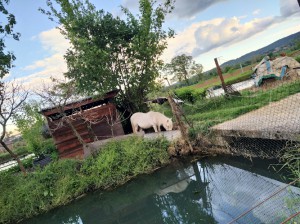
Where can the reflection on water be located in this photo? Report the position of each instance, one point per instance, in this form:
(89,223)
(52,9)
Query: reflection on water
(202,192)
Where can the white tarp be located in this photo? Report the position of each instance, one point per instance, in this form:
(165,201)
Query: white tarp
(278,68)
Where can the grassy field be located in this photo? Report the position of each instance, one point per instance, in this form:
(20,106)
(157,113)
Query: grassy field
(230,77)
(197,91)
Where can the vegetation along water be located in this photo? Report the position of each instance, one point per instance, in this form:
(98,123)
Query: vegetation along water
(206,191)
(136,180)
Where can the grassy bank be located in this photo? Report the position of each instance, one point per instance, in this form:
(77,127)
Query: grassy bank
(62,181)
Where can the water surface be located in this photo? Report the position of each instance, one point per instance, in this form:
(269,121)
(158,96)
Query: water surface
(207,191)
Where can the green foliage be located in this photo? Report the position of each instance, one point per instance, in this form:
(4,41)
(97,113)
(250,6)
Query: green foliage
(291,159)
(239,78)
(228,69)
(30,123)
(64,180)
(6,30)
(119,160)
(182,67)
(190,94)
(298,59)
(20,151)
(108,52)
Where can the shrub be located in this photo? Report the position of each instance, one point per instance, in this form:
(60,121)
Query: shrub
(190,94)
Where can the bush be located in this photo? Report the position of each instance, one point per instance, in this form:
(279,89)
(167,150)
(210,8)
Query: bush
(298,59)
(190,94)
(63,180)
(119,160)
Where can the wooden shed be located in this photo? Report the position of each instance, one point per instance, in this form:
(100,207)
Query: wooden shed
(93,120)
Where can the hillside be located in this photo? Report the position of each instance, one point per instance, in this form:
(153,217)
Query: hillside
(277,45)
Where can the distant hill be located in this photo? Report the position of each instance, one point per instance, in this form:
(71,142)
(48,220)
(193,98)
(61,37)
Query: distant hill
(278,45)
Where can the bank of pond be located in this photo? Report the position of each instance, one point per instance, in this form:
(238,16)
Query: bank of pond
(211,190)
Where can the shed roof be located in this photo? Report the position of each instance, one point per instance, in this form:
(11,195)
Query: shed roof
(79,103)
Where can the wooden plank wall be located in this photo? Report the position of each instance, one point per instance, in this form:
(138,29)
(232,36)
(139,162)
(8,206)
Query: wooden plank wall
(96,128)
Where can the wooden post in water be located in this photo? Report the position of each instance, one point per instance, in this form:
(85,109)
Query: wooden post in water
(177,113)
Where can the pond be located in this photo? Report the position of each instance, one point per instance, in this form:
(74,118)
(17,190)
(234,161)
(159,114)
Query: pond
(206,191)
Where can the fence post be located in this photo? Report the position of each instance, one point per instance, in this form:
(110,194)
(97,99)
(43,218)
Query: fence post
(177,113)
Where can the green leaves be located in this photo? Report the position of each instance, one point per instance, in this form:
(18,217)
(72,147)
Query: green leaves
(30,123)
(182,67)
(6,30)
(110,53)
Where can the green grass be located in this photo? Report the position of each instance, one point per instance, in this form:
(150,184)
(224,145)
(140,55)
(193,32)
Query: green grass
(192,94)
(20,151)
(64,180)
(239,78)
(208,112)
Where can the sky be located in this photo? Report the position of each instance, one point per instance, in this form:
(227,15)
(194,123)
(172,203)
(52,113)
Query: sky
(205,29)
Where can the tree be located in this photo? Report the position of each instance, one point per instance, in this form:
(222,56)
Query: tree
(108,52)
(11,98)
(30,123)
(6,30)
(182,67)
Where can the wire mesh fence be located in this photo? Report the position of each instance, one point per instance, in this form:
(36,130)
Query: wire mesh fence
(263,121)
(260,122)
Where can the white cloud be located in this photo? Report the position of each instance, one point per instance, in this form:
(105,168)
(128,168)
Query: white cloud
(53,66)
(256,12)
(7,75)
(53,41)
(207,35)
(289,8)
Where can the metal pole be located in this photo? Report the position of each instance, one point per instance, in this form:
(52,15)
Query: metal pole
(242,66)
(220,75)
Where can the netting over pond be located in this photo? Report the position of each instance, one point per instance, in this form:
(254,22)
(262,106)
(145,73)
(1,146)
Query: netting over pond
(259,122)
(245,197)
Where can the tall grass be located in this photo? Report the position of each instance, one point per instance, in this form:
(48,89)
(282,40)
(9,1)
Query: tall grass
(62,181)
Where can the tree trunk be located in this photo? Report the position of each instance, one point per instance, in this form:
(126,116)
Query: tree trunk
(15,156)
(185,74)
(75,132)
